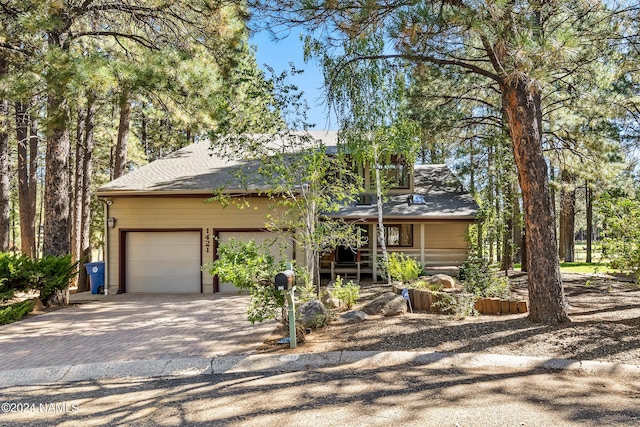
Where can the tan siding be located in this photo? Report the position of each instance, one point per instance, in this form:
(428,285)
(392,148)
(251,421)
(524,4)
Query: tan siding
(445,235)
(178,213)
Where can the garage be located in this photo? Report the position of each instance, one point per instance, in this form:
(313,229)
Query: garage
(163,261)
(281,243)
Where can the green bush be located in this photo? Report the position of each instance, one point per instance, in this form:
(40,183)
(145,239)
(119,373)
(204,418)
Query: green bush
(251,267)
(425,284)
(16,271)
(51,274)
(459,306)
(47,274)
(403,268)
(15,311)
(479,280)
(348,294)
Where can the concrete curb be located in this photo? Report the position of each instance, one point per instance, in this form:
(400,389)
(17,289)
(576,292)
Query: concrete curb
(355,360)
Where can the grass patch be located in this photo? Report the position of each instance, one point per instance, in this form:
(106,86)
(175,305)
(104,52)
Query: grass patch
(581,267)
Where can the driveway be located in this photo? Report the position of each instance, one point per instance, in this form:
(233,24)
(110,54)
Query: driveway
(132,327)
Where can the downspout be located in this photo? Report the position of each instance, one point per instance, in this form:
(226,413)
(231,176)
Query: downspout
(106,203)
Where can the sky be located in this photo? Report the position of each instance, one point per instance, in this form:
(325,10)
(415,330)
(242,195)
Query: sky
(278,55)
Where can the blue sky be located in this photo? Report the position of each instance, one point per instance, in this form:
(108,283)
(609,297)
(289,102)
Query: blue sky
(278,55)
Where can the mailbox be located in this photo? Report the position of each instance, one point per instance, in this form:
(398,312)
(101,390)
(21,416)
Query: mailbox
(285,280)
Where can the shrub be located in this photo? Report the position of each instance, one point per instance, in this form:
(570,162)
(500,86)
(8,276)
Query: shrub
(15,312)
(478,279)
(459,306)
(251,267)
(51,274)
(47,275)
(348,294)
(403,268)
(425,284)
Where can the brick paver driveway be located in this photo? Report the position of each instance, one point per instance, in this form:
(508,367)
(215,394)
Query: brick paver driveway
(133,327)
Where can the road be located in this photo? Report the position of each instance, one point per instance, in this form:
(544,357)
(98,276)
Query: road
(404,395)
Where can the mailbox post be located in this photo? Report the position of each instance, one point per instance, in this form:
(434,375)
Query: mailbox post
(285,283)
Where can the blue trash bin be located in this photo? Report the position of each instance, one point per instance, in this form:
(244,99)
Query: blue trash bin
(95,270)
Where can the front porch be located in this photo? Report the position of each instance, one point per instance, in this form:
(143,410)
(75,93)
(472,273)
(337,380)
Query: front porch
(441,248)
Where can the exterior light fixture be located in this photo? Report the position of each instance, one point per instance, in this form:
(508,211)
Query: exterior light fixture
(111,222)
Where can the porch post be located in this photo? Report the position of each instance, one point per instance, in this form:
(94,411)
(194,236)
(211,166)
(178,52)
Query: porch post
(422,244)
(374,253)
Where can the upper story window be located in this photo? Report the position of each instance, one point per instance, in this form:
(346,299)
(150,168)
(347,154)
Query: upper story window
(397,175)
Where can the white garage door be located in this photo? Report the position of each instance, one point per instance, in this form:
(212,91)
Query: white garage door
(281,243)
(163,262)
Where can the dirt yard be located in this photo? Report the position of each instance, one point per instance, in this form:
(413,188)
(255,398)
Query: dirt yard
(605,314)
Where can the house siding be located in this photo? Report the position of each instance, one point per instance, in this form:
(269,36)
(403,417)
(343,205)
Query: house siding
(167,213)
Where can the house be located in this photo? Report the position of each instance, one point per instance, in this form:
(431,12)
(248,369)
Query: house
(160,228)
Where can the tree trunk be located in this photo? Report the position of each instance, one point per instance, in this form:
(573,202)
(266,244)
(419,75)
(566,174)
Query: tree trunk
(123,135)
(33,181)
(4,175)
(78,176)
(56,199)
(381,236)
(567,217)
(546,294)
(25,164)
(85,193)
(507,233)
(589,195)
(517,228)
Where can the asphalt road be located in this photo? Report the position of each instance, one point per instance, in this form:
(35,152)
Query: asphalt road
(402,395)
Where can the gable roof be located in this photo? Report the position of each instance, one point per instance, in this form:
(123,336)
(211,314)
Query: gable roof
(443,194)
(194,170)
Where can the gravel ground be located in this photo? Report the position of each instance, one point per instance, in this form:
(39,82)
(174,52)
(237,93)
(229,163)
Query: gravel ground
(605,314)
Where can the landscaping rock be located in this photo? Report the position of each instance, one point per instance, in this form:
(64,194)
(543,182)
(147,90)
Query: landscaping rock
(334,303)
(353,316)
(387,304)
(309,312)
(395,307)
(447,282)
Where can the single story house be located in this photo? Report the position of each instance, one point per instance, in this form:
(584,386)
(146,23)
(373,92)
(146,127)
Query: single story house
(160,229)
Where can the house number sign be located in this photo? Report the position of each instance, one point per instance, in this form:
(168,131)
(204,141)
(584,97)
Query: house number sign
(207,240)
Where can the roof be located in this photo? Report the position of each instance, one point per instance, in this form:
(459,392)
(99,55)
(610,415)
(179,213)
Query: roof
(443,193)
(195,170)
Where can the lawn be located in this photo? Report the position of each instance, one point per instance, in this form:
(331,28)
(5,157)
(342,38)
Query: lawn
(581,267)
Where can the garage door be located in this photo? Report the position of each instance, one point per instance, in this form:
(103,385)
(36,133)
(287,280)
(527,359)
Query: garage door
(278,242)
(163,262)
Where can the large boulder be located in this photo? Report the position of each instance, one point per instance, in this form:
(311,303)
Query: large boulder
(387,304)
(312,313)
(442,280)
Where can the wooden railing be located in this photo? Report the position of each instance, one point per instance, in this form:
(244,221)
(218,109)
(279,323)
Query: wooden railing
(433,258)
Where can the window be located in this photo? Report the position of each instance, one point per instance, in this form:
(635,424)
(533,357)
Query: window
(397,174)
(398,235)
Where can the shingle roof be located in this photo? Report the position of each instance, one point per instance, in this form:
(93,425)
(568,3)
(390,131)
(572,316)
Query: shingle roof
(444,197)
(193,169)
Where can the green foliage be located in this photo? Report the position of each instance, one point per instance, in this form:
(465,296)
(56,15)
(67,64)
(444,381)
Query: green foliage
(47,274)
(15,271)
(460,306)
(244,264)
(479,280)
(348,293)
(320,320)
(15,312)
(403,268)
(251,267)
(621,243)
(425,284)
(53,273)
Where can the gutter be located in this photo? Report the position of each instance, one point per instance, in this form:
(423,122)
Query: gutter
(106,203)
